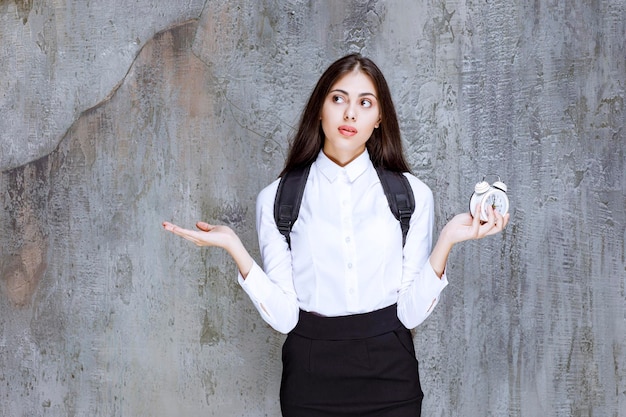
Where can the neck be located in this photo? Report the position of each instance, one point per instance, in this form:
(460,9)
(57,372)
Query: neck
(342,158)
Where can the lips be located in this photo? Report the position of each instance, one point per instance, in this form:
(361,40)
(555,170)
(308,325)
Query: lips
(347,130)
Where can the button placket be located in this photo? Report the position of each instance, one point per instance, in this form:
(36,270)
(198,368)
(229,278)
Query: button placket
(349,252)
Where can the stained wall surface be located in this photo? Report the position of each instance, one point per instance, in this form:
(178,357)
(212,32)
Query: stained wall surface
(118,115)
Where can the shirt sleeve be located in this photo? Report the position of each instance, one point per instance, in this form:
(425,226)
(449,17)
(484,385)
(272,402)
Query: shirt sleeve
(420,287)
(271,289)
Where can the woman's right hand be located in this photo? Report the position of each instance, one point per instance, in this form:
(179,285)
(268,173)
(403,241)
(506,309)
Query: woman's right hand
(219,236)
(206,235)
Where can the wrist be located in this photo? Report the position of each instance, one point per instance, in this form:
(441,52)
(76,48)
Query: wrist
(240,255)
(232,243)
(446,239)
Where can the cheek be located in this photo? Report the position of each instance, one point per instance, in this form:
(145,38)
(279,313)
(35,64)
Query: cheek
(325,126)
(328,112)
(371,124)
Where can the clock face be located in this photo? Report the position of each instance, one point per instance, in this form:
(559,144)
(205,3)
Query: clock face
(495,198)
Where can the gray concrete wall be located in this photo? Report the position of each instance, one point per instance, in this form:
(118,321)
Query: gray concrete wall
(116,116)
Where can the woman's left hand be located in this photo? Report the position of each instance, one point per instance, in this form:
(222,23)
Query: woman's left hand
(464,227)
(467,227)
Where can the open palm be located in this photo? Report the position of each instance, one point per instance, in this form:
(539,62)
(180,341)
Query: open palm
(206,235)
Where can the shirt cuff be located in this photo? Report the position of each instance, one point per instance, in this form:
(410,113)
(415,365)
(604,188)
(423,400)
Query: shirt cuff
(433,285)
(257,284)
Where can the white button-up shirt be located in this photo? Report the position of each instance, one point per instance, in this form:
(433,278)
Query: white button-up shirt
(346,252)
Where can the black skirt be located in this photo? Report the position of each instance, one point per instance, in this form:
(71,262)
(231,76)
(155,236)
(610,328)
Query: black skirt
(359,365)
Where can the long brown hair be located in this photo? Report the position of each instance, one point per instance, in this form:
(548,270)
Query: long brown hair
(385,144)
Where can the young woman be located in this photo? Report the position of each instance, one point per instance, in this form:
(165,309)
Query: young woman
(345,289)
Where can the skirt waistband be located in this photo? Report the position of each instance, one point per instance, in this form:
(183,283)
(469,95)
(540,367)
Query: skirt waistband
(351,327)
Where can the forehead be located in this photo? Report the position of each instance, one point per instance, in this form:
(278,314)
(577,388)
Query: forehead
(356,81)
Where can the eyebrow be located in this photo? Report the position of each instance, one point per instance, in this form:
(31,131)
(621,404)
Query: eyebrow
(346,93)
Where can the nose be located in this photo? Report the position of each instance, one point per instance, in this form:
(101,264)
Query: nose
(349,114)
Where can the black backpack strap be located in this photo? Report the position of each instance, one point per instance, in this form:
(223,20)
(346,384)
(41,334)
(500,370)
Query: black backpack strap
(288,199)
(400,197)
(291,189)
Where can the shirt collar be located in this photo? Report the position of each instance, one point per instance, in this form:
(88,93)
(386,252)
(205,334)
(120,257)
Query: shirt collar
(353,170)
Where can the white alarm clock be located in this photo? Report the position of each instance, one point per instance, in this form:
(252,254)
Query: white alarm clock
(493,195)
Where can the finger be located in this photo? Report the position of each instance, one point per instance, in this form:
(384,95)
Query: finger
(191,235)
(169,226)
(179,231)
(205,227)
(488,227)
(491,213)
(476,222)
(500,219)
(498,223)
(501,222)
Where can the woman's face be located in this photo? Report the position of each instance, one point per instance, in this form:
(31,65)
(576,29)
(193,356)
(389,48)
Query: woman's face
(350,114)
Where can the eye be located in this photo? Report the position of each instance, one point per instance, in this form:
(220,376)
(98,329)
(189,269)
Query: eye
(338,99)
(366,103)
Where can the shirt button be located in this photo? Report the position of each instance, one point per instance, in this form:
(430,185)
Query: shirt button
(350,265)
(348,239)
